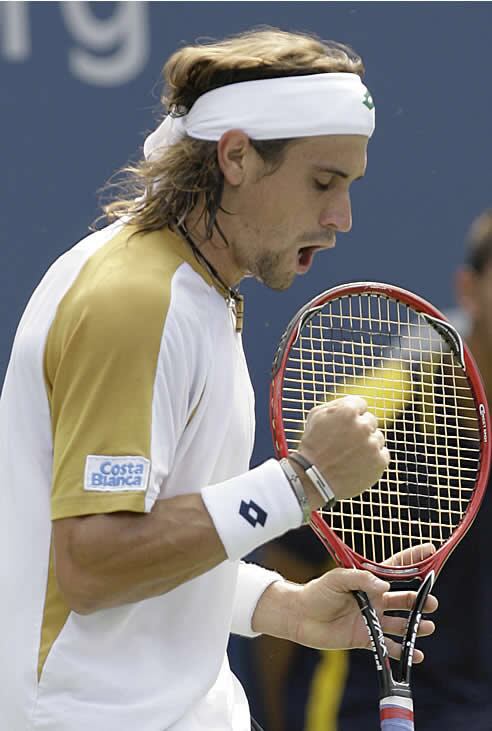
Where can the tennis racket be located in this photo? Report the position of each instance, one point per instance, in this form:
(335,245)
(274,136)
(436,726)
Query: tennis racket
(400,354)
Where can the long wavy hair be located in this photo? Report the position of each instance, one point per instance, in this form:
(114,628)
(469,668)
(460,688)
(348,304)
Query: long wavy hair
(188,172)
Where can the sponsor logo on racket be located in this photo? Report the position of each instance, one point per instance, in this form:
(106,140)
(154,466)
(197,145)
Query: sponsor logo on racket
(116,474)
(380,633)
(413,638)
(481,410)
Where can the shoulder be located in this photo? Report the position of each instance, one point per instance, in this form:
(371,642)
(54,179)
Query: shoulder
(134,282)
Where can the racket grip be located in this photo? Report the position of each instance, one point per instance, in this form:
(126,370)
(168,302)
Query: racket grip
(396,714)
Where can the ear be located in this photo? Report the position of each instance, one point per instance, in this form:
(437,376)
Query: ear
(234,151)
(466,291)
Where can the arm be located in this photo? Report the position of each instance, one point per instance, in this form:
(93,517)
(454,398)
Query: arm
(106,560)
(109,559)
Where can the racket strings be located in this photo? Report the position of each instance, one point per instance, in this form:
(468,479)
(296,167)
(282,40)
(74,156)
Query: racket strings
(414,383)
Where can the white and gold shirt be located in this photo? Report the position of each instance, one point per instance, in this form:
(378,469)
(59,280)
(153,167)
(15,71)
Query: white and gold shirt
(127,384)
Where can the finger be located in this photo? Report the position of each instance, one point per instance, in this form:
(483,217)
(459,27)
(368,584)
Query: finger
(386,456)
(378,437)
(397,626)
(394,649)
(411,555)
(427,627)
(357,402)
(405,600)
(316,409)
(369,420)
(357,580)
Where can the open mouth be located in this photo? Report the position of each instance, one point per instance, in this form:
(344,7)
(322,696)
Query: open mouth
(305,257)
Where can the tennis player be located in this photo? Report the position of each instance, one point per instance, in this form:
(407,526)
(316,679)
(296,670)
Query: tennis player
(127,419)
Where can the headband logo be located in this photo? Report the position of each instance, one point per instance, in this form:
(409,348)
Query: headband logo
(368,101)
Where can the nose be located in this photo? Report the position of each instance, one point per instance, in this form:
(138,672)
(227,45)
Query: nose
(337,213)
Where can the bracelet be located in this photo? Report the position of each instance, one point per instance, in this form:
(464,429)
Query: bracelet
(298,489)
(316,478)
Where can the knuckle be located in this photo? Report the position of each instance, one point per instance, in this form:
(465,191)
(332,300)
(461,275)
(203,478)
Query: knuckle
(360,404)
(374,421)
(354,404)
(369,418)
(372,430)
(380,438)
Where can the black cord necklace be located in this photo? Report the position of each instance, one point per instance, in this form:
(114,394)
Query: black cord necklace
(233,298)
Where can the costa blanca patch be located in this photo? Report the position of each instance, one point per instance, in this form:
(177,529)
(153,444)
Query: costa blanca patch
(116,474)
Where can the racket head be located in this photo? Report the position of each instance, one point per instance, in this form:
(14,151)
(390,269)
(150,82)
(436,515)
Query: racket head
(399,352)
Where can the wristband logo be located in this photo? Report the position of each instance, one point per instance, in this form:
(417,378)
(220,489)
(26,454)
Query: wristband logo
(253,513)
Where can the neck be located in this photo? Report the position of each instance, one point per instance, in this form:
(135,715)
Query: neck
(183,231)
(217,250)
(233,297)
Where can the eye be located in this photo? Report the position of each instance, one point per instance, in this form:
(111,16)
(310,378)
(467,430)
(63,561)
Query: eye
(323,186)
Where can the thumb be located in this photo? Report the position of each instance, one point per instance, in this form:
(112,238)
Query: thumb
(358,580)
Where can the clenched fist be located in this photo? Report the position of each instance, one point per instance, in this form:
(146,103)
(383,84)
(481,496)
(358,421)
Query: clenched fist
(343,440)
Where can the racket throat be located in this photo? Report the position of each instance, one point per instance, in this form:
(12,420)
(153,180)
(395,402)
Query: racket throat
(406,659)
(378,645)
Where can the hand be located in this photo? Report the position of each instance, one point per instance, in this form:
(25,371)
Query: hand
(342,439)
(328,616)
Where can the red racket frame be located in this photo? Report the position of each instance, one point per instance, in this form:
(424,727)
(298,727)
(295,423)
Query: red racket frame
(342,554)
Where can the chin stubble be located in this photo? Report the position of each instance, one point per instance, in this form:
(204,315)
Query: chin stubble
(268,270)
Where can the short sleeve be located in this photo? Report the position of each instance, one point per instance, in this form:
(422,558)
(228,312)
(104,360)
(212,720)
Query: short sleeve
(110,364)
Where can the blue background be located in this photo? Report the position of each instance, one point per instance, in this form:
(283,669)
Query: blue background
(64,133)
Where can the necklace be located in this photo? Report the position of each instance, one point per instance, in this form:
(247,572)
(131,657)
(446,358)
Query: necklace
(232,296)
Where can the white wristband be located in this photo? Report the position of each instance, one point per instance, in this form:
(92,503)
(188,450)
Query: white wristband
(252,582)
(252,509)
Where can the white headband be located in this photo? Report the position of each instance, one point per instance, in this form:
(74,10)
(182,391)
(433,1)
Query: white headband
(268,109)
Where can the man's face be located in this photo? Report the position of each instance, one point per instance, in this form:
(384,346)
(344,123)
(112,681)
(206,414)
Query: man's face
(282,219)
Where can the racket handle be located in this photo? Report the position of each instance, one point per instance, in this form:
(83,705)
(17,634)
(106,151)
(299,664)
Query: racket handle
(396,714)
